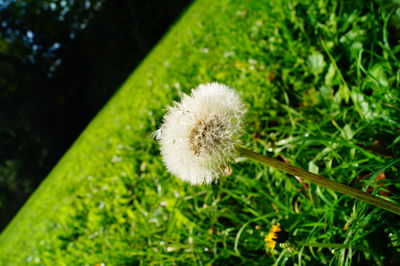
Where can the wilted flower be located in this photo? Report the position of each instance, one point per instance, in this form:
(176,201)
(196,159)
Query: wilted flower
(199,134)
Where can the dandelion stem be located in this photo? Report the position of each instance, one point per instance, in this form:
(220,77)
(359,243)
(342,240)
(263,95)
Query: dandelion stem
(319,180)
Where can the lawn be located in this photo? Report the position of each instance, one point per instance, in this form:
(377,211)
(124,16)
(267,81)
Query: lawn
(320,80)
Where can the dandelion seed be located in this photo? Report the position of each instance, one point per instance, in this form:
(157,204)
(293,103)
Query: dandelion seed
(199,133)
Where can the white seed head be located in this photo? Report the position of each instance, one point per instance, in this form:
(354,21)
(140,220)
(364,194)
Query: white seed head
(199,134)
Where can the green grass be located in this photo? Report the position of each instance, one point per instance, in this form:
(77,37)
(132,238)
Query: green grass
(321,83)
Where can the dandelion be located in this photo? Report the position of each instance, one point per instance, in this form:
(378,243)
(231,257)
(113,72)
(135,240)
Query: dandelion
(199,133)
(200,136)
(289,242)
(276,235)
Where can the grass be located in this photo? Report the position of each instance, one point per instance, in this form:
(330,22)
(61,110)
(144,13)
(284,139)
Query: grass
(321,82)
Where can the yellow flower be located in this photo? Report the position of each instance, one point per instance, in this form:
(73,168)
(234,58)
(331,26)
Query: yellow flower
(276,235)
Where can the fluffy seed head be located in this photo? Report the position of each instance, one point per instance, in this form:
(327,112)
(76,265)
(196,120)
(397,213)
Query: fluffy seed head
(199,134)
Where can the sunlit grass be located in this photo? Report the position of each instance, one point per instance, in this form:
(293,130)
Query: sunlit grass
(321,82)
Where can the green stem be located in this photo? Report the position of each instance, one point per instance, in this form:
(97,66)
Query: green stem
(323,245)
(332,245)
(319,180)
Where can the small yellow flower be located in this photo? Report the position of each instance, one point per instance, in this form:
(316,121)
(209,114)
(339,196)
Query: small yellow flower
(276,235)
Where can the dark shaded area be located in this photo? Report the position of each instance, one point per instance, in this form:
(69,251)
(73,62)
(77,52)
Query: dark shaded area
(60,61)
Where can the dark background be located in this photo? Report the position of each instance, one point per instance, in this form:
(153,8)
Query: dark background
(60,61)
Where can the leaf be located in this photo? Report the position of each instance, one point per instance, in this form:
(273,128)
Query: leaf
(378,75)
(317,63)
(313,168)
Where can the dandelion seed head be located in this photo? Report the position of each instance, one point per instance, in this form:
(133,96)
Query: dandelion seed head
(199,133)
